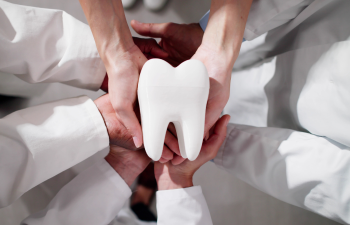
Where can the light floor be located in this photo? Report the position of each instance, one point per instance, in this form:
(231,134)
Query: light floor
(230,200)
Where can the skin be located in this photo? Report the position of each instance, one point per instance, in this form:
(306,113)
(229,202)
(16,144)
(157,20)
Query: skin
(119,135)
(170,176)
(218,47)
(121,56)
(128,164)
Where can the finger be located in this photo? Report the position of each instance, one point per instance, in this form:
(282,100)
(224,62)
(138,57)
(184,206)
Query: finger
(127,117)
(206,136)
(157,30)
(167,153)
(177,160)
(150,47)
(212,146)
(211,117)
(161,160)
(172,143)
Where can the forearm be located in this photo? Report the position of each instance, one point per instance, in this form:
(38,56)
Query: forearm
(226,26)
(166,182)
(182,206)
(127,170)
(42,141)
(94,197)
(299,168)
(50,46)
(179,202)
(109,26)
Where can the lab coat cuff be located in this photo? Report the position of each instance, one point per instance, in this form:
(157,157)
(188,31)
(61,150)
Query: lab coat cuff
(115,178)
(101,134)
(178,194)
(203,22)
(219,159)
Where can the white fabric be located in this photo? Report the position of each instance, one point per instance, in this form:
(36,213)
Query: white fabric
(39,142)
(297,77)
(97,195)
(46,46)
(41,45)
(183,206)
(302,169)
(267,15)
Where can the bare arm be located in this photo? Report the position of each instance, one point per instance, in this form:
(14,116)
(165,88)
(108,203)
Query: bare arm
(219,50)
(122,58)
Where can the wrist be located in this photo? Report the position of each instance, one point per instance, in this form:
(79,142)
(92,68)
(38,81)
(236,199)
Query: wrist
(221,70)
(226,26)
(127,171)
(117,50)
(166,182)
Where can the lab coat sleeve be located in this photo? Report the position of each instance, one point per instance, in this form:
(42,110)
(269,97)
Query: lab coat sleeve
(305,170)
(93,197)
(267,15)
(183,206)
(44,45)
(39,142)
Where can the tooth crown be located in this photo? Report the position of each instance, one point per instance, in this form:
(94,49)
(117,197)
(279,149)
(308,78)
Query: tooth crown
(179,95)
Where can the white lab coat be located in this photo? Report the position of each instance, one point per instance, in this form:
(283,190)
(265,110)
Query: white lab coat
(37,143)
(296,76)
(97,195)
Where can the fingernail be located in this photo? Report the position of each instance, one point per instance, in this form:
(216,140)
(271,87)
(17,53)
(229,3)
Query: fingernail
(138,22)
(206,137)
(137,142)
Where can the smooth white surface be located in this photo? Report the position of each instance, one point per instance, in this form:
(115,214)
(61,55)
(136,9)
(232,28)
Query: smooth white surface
(100,189)
(178,95)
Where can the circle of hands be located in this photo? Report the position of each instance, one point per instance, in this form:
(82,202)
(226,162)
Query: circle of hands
(119,108)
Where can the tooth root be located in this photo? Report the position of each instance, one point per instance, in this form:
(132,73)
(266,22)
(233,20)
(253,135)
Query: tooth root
(193,131)
(180,138)
(154,130)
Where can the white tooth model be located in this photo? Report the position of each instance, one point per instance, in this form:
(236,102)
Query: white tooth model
(179,95)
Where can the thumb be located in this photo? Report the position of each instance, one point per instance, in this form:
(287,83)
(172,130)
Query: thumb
(212,146)
(150,48)
(157,30)
(211,117)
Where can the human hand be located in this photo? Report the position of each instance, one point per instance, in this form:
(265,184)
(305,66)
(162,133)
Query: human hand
(180,41)
(170,176)
(119,135)
(148,47)
(184,41)
(123,75)
(219,68)
(127,163)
